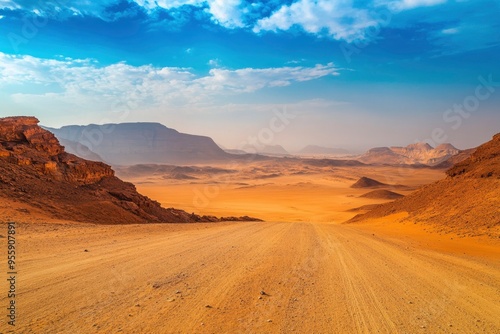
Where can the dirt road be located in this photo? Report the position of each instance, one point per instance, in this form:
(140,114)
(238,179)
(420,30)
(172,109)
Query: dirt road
(246,278)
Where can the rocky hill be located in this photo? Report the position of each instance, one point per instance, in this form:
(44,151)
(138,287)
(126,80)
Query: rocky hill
(455,159)
(142,143)
(467,201)
(36,170)
(419,153)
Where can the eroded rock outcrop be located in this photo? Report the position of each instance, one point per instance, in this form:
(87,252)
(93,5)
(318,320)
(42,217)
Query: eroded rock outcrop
(35,169)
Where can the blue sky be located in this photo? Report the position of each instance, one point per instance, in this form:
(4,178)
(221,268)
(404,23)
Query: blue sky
(352,74)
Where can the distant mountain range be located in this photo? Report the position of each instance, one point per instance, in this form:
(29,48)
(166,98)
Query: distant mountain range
(154,143)
(313,150)
(138,143)
(269,150)
(419,153)
(274,150)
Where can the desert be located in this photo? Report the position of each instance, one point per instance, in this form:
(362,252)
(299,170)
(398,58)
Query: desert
(328,257)
(249,167)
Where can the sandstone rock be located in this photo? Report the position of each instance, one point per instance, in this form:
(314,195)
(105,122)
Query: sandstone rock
(40,173)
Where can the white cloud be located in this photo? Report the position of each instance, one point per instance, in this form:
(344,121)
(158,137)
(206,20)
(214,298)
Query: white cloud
(339,19)
(85,84)
(226,12)
(400,5)
(167,4)
(214,62)
(450,31)
(251,79)
(61,9)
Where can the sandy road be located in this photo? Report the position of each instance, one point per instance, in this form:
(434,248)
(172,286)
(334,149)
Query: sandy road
(317,278)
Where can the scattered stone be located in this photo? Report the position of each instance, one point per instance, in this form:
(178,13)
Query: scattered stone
(208,306)
(86,251)
(269,320)
(178,292)
(263,293)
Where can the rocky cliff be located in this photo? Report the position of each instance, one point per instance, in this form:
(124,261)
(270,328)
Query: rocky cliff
(36,170)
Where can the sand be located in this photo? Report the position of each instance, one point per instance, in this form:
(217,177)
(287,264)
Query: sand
(294,192)
(208,278)
(302,271)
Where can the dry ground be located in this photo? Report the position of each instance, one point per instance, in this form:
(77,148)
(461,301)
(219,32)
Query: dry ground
(278,192)
(316,275)
(202,278)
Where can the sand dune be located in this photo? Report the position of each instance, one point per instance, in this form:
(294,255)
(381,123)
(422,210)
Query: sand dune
(366,182)
(382,194)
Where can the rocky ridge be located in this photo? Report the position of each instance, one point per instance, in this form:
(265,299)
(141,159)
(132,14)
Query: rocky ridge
(418,153)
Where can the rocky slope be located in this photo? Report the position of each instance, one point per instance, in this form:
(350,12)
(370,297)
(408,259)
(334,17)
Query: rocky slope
(419,153)
(36,170)
(142,143)
(467,201)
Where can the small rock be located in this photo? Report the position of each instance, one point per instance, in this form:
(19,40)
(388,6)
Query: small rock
(269,320)
(86,251)
(208,306)
(262,292)
(137,305)
(178,292)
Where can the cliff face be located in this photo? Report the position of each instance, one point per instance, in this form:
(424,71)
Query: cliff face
(24,143)
(36,170)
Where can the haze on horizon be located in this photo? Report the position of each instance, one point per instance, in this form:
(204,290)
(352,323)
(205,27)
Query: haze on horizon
(350,74)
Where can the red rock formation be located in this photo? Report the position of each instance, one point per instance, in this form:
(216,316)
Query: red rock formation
(35,169)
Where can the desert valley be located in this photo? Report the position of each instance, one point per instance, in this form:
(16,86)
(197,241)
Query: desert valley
(396,240)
